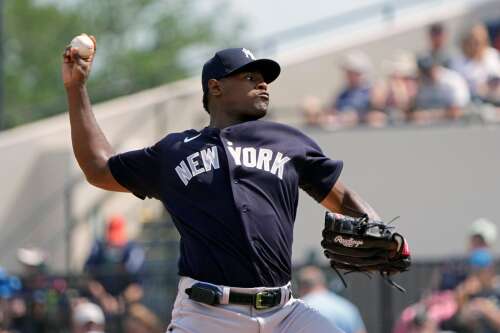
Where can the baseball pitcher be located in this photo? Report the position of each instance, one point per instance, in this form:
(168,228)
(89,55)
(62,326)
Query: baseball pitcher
(232,191)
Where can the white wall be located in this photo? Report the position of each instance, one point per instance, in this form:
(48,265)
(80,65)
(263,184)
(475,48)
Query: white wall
(437,179)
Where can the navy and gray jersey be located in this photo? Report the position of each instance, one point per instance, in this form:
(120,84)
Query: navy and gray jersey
(233,196)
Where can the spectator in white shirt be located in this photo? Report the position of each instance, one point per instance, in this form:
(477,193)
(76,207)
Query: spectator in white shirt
(478,61)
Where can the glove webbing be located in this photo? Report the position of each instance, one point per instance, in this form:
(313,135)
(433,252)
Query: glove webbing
(383,274)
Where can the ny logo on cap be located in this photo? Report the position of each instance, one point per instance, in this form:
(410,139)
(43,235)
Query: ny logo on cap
(248,54)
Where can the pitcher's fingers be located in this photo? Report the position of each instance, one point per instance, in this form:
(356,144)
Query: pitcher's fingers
(90,58)
(67,51)
(81,63)
(74,52)
(67,58)
(75,56)
(67,54)
(81,70)
(95,42)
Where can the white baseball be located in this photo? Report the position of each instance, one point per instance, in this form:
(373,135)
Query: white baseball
(84,45)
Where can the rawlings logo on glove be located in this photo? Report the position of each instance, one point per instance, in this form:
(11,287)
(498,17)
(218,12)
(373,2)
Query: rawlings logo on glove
(348,242)
(362,245)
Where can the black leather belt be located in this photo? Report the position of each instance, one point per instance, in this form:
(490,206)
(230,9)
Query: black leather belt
(262,300)
(210,294)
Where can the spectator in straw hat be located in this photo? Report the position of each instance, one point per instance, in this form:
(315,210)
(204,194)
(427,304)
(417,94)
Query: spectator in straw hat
(353,103)
(395,94)
(482,234)
(88,318)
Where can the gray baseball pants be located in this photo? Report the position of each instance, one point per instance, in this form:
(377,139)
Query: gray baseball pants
(291,316)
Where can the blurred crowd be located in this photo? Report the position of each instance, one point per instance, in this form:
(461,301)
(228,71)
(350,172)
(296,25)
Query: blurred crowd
(106,298)
(426,88)
(468,297)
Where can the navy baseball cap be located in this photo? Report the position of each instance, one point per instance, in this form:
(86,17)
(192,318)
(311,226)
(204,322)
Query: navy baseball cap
(235,60)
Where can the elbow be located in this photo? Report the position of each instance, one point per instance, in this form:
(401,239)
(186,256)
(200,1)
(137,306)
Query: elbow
(95,174)
(93,178)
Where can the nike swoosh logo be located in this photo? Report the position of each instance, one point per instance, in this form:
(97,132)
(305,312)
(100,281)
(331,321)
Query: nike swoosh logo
(186,140)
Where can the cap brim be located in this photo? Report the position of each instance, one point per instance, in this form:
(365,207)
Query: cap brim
(30,257)
(269,69)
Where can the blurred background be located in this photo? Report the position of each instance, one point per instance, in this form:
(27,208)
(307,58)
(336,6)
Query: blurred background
(406,92)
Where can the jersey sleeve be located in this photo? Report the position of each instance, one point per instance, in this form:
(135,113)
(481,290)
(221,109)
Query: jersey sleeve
(317,173)
(138,171)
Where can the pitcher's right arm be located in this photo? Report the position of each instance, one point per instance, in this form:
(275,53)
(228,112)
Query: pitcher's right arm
(90,146)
